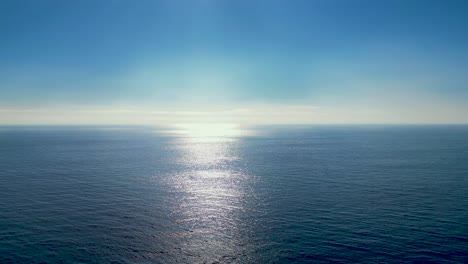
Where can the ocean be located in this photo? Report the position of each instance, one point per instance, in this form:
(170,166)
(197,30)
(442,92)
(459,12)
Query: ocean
(278,194)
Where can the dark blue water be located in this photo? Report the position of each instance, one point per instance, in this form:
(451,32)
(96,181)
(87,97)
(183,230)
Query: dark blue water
(388,194)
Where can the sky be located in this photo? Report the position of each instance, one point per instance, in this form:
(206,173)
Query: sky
(233,61)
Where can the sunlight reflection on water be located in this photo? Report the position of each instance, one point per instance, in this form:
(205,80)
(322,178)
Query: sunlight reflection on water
(210,187)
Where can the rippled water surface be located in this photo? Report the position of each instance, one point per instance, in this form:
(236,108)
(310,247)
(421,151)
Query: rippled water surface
(387,194)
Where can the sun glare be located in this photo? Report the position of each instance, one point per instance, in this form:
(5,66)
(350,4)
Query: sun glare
(204,130)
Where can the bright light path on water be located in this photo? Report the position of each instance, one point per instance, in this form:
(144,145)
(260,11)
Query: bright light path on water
(211,187)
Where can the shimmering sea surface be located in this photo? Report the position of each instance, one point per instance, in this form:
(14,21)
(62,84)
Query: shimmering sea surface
(309,194)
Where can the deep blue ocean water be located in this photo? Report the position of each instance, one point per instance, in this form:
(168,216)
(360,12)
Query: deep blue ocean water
(350,194)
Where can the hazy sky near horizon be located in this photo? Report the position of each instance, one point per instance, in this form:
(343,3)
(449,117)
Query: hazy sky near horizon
(242,61)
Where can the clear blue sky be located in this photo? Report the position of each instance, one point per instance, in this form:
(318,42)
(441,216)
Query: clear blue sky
(363,61)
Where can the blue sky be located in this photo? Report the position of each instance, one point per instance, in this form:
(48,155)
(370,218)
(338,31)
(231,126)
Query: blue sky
(339,61)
